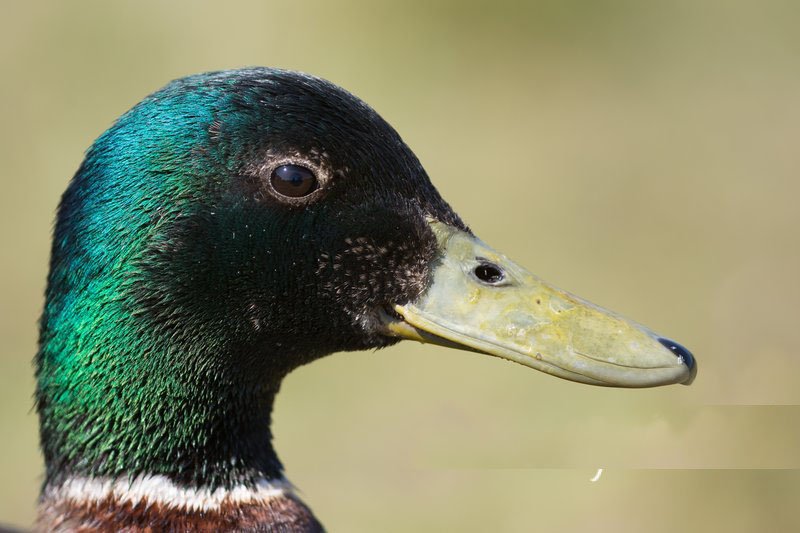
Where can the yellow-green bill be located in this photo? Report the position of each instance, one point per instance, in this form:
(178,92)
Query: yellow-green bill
(480,300)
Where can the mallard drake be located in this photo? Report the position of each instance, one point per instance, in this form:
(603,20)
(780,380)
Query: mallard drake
(229,228)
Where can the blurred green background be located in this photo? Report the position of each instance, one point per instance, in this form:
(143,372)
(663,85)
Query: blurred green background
(641,154)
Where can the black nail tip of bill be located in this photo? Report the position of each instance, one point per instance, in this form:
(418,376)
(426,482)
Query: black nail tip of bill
(685,355)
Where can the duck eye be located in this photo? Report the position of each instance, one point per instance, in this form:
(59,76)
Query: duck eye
(293,181)
(489,273)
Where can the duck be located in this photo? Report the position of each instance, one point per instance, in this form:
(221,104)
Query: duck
(229,228)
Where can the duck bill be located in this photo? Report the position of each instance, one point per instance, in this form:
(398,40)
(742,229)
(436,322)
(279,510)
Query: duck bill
(479,300)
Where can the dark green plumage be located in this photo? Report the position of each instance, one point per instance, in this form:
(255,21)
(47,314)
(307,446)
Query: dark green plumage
(181,291)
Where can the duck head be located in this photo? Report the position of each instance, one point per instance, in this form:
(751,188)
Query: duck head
(235,225)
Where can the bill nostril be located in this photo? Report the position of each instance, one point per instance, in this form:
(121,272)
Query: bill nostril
(680,351)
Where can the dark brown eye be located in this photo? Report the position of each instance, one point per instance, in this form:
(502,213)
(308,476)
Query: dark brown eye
(293,181)
(489,273)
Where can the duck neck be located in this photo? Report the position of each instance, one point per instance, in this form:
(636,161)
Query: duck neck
(153,450)
(208,430)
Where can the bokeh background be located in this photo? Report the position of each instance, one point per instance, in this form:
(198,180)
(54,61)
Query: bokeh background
(641,154)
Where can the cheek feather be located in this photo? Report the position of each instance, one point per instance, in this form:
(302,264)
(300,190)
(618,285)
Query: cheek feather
(366,275)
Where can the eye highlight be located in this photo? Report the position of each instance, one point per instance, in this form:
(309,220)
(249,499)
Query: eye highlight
(293,181)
